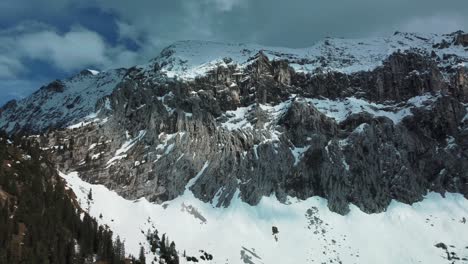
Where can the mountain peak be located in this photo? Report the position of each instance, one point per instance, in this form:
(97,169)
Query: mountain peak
(192,58)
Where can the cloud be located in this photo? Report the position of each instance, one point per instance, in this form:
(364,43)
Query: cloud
(226,5)
(69,51)
(299,23)
(155,24)
(141,29)
(440,23)
(10,67)
(72,50)
(271,22)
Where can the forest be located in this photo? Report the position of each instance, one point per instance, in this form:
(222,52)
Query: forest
(40,222)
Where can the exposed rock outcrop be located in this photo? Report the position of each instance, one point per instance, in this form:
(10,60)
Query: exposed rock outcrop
(267,128)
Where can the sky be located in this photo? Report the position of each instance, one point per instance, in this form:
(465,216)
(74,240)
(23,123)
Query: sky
(44,40)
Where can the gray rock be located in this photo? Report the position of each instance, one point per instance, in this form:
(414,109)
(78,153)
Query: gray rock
(283,145)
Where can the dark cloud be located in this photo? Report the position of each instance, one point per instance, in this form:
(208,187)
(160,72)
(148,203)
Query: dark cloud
(68,51)
(296,23)
(71,34)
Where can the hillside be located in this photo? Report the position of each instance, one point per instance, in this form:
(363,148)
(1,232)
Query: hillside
(251,153)
(40,219)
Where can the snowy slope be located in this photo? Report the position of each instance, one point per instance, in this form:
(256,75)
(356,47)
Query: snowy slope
(189,59)
(308,231)
(71,100)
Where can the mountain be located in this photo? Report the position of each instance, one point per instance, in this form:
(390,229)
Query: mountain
(61,102)
(40,219)
(270,146)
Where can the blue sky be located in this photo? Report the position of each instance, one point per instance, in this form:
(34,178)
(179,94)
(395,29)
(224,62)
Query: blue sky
(43,40)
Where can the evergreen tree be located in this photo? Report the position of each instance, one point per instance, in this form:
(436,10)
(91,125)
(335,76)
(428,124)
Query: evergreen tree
(142,258)
(90,194)
(38,221)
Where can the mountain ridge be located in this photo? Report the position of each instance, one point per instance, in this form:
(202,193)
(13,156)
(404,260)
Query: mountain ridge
(205,142)
(187,60)
(255,109)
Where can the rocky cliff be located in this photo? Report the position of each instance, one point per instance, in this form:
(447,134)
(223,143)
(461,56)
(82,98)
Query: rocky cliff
(354,121)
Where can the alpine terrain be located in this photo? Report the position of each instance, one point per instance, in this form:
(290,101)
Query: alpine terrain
(350,151)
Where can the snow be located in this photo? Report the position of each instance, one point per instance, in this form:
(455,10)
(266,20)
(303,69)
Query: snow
(127,145)
(96,156)
(341,109)
(169,149)
(190,59)
(111,161)
(345,164)
(298,153)
(195,179)
(180,157)
(93,72)
(164,147)
(107,104)
(402,234)
(361,128)
(255,149)
(78,125)
(275,112)
(163,99)
(71,107)
(237,119)
(451,143)
(92,146)
(465,118)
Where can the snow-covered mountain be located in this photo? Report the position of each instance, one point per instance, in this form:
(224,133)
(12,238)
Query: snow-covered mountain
(61,103)
(431,231)
(73,99)
(189,59)
(338,146)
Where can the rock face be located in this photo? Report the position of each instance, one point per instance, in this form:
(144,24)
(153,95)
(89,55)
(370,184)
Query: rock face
(461,39)
(268,127)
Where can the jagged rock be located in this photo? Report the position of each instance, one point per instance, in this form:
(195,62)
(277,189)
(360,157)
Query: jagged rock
(460,88)
(461,39)
(302,120)
(401,77)
(56,86)
(264,127)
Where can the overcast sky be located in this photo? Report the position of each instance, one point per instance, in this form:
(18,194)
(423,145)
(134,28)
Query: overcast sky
(43,40)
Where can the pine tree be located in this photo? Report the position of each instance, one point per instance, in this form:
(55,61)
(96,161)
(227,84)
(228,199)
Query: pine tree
(163,244)
(51,224)
(142,258)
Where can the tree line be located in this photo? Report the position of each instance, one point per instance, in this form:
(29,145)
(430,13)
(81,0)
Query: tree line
(39,220)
